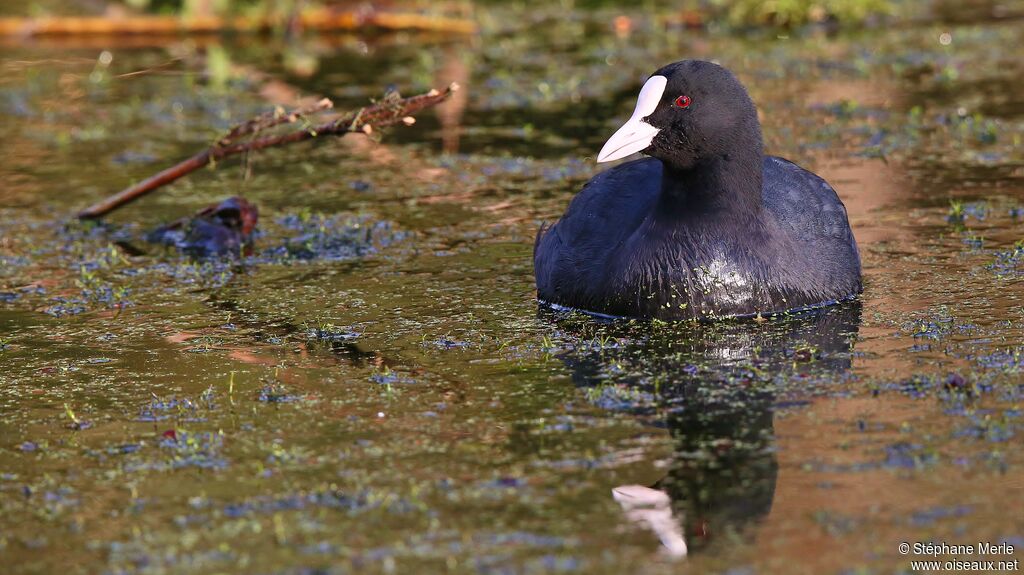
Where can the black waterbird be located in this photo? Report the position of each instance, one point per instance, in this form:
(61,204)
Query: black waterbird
(708,226)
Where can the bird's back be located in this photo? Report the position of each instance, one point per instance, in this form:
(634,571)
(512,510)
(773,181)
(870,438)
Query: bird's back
(805,206)
(802,254)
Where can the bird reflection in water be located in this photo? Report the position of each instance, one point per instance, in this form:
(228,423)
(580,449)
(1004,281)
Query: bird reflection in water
(715,388)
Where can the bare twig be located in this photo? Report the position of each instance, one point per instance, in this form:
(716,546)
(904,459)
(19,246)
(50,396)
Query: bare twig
(392,110)
(273,118)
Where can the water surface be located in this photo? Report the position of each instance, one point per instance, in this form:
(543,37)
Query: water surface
(375,387)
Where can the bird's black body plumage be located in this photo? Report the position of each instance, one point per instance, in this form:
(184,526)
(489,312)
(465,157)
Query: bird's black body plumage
(708,227)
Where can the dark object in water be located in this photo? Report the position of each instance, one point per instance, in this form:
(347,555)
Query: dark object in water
(955,383)
(699,383)
(708,227)
(220,229)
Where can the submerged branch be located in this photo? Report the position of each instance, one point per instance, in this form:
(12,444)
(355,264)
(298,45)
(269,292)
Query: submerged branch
(314,19)
(392,110)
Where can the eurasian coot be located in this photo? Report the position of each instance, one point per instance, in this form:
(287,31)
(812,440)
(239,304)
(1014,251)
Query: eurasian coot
(708,226)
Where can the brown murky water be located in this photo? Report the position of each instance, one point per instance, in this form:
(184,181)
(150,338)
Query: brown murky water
(375,389)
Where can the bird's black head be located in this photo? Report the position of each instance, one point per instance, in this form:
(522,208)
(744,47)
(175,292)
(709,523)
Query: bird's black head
(688,112)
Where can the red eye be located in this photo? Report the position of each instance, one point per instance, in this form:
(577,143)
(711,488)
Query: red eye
(682,101)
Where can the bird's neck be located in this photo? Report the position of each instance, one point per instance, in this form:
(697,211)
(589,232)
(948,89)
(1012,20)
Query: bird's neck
(729,184)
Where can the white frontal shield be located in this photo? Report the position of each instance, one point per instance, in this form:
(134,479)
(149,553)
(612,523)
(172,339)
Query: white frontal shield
(635,134)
